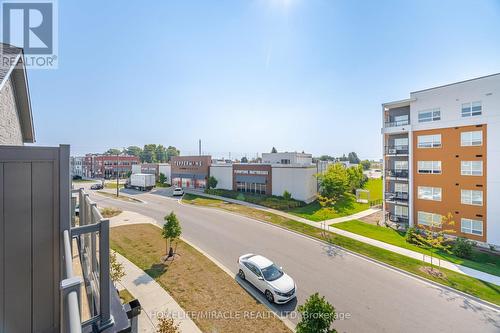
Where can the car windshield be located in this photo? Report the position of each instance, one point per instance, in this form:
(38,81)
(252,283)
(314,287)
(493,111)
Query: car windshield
(272,273)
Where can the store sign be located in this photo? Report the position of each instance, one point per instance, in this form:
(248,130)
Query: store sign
(251,172)
(188,163)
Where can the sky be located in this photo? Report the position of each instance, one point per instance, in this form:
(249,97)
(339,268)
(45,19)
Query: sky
(246,75)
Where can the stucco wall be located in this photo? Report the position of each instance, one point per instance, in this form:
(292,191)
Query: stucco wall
(10,127)
(224,176)
(300,182)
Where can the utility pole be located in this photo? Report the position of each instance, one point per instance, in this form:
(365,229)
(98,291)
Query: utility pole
(117,175)
(199,147)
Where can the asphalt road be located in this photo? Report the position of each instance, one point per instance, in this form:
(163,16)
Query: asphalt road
(373,297)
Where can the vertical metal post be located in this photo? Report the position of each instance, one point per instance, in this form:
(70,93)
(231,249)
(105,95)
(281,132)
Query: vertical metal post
(104,277)
(93,244)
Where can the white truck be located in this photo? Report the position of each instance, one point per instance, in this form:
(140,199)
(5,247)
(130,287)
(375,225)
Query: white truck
(141,181)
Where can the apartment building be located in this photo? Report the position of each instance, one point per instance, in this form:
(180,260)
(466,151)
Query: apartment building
(108,166)
(76,165)
(441,156)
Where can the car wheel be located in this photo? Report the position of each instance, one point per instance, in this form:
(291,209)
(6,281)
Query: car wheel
(241,274)
(269,296)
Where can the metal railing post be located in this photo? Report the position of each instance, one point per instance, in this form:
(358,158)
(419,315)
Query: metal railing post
(104,277)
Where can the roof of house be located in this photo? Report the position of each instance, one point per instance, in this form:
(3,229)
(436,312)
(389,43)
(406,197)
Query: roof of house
(12,67)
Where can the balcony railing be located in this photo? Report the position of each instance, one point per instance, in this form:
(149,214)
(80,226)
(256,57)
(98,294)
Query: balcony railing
(397,150)
(397,123)
(90,235)
(397,173)
(398,218)
(397,196)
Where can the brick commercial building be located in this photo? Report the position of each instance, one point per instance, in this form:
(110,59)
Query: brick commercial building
(441,156)
(108,166)
(292,172)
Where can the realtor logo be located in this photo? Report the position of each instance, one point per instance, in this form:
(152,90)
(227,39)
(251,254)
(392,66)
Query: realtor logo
(32,25)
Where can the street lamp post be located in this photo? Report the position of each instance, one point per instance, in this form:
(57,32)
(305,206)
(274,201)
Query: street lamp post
(117,175)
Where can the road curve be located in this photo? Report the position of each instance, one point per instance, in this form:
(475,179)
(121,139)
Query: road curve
(373,297)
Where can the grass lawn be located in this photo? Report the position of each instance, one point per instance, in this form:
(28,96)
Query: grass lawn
(113,185)
(344,207)
(475,287)
(481,261)
(125,296)
(195,282)
(121,197)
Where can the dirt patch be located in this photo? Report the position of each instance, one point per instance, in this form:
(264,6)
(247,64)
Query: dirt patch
(374,218)
(108,212)
(434,272)
(194,281)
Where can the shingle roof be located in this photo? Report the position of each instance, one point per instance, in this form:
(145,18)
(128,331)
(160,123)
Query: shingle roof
(8,56)
(12,66)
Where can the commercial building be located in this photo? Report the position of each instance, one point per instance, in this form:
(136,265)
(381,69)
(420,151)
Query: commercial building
(292,172)
(108,166)
(154,169)
(441,156)
(190,171)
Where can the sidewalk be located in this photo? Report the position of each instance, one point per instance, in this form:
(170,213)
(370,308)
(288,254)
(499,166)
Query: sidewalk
(154,299)
(326,225)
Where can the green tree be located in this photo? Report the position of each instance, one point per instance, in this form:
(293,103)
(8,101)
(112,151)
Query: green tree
(334,182)
(317,316)
(134,151)
(171,231)
(353,158)
(149,153)
(172,151)
(326,158)
(274,151)
(161,154)
(287,195)
(113,151)
(163,178)
(212,182)
(244,159)
(366,164)
(433,235)
(356,177)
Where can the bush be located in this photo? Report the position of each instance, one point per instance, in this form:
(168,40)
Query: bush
(287,195)
(462,247)
(412,237)
(77,177)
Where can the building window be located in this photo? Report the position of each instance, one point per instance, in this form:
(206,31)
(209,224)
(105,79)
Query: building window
(425,116)
(251,187)
(429,193)
(472,109)
(401,165)
(401,211)
(400,187)
(429,141)
(429,219)
(471,197)
(471,168)
(285,161)
(474,138)
(474,227)
(433,167)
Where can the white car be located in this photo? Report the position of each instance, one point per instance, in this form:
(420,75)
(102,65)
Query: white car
(277,286)
(178,191)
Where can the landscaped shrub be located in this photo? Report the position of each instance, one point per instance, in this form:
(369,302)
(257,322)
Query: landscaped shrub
(287,195)
(270,201)
(462,247)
